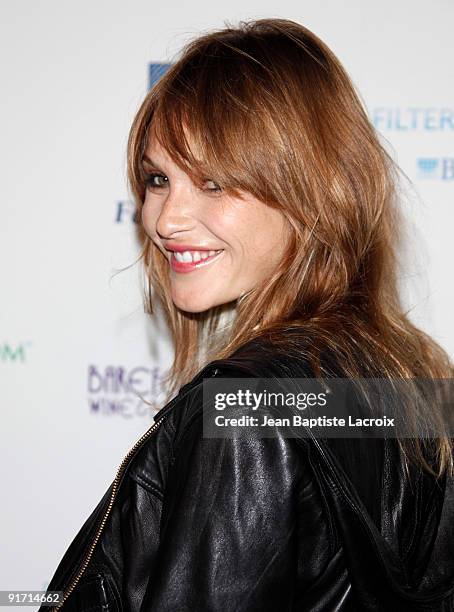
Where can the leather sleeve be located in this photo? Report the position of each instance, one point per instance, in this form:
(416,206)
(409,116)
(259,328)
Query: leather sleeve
(229,526)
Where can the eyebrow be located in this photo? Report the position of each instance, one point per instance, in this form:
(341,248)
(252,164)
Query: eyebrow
(150,161)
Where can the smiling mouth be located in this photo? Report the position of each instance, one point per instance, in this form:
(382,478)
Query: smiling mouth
(188,261)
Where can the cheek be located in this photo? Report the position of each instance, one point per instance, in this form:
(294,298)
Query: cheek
(149,217)
(253,235)
(266,243)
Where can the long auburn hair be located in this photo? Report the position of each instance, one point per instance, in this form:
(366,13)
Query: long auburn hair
(271,111)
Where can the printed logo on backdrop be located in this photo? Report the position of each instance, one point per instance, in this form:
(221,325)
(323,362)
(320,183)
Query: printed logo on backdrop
(412,119)
(155,71)
(126,212)
(119,391)
(14,352)
(430,120)
(438,168)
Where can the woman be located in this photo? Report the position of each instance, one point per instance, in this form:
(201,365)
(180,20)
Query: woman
(270,225)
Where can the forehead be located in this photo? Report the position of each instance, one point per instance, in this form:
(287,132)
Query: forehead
(186,147)
(156,152)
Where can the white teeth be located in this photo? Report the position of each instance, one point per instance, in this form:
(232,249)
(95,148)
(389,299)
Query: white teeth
(180,256)
(193,256)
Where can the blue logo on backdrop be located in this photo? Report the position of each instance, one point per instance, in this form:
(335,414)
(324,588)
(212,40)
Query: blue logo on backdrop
(439,168)
(155,72)
(125,210)
(405,119)
(413,119)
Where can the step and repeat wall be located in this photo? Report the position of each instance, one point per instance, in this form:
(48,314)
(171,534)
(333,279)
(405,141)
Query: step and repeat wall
(81,364)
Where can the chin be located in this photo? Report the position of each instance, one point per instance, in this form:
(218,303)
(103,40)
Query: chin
(192,305)
(195,303)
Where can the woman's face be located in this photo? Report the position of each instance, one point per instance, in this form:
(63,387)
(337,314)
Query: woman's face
(218,247)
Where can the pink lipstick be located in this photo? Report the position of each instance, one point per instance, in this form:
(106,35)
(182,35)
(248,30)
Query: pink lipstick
(191,260)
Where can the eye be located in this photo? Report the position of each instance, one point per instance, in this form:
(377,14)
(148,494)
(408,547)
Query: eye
(212,186)
(156,181)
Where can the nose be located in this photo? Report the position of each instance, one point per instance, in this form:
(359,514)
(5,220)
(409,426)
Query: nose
(176,214)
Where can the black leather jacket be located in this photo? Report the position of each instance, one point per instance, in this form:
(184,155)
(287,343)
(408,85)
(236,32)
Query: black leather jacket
(266,524)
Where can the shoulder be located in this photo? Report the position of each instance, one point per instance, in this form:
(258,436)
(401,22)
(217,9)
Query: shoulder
(251,486)
(180,420)
(194,410)
(276,455)
(256,359)
(273,466)
(263,474)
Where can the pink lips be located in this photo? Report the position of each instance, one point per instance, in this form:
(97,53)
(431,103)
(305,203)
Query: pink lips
(190,266)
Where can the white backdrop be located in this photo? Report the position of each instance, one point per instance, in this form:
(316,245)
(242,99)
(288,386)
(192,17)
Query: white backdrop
(76,349)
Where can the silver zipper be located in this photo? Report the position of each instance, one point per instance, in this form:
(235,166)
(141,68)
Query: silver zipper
(89,554)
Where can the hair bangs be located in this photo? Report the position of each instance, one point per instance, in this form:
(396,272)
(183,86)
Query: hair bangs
(211,119)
